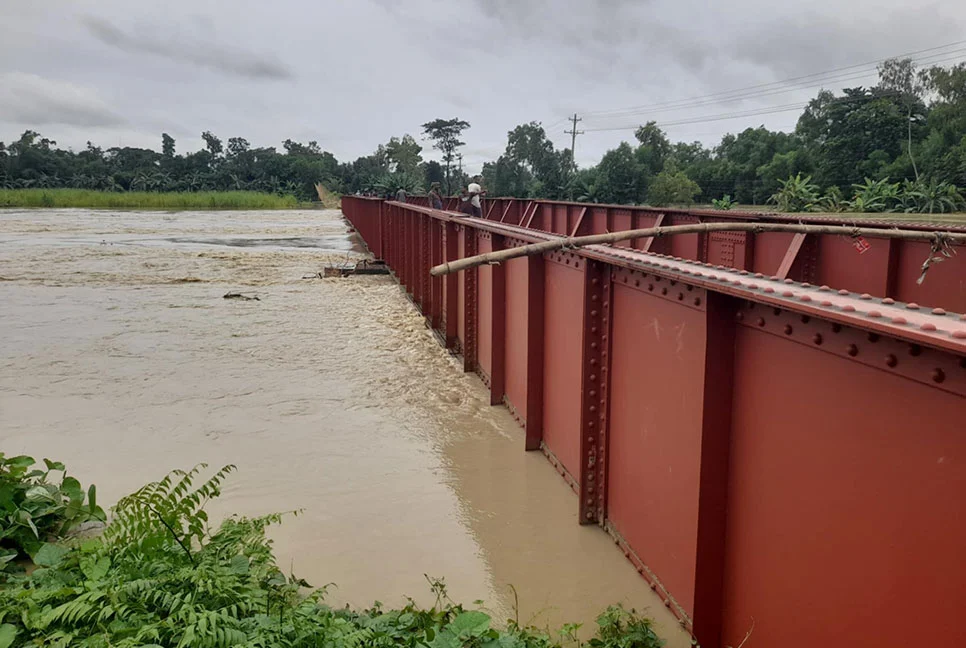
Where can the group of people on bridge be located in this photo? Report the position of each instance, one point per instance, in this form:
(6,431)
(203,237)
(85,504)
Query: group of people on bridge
(470,197)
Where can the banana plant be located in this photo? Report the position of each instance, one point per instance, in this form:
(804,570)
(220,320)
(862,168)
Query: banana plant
(874,196)
(930,197)
(796,194)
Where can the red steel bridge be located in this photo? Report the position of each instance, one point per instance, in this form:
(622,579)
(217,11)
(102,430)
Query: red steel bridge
(771,426)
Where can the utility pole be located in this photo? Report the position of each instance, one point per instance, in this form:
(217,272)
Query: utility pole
(573,132)
(459,157)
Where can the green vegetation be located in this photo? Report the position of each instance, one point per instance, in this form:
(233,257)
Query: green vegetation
(160,577)
(910,127)
(34,508)
(798,194)
(672,187)
(94,199)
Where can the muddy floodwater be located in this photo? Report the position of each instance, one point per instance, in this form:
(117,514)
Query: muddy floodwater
(121,357)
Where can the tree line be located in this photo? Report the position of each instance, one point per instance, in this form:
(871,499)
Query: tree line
(907,133)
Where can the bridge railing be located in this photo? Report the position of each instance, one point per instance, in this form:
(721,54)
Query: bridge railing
(767,452)
(884,268)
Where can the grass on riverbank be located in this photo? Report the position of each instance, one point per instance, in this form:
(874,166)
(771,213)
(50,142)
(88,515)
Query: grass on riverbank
(91,199)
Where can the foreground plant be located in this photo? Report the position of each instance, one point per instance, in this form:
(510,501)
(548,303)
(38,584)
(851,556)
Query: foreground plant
(160,577)
(35,507)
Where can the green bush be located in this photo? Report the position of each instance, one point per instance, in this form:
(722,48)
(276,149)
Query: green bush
(159,577)
(872,196)
(33,508)
(672,187)
(724,203)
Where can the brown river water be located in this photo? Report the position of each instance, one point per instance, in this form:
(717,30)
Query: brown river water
(120,357)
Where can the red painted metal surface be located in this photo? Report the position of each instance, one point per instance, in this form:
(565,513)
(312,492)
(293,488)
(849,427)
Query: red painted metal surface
(594,395)
(516,338)
(485,309)
(765,451)
(846,500)
(536,312)
(562,342)
(823,259)
(655,445)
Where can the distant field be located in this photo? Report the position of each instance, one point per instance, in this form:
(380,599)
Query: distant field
(83,198)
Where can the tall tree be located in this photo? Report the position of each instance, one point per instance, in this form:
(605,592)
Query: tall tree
(853,136)
(237,146)
(404,154)
(445,134)
(433,172)
(901,77)
(619,176)
(167,145)
(654,147)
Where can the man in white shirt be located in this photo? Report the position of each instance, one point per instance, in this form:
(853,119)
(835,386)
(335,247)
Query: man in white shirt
(475,191)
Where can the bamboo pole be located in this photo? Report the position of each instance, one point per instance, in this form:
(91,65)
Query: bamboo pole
(939,239)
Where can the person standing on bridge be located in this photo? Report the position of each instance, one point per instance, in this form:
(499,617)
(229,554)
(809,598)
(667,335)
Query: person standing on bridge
(401,195)
(435,200)
(476,192)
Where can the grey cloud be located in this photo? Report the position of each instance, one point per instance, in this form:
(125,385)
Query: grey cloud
(364,71)
(181,47)
(38,101)
(602,32)
(810,42)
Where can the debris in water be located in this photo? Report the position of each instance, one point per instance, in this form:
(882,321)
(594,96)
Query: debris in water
(237,295)
(360,268)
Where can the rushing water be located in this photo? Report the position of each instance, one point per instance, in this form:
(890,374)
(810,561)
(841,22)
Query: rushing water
(121,357)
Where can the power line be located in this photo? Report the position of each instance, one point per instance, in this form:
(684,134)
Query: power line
(816,78)
(709,118)
(736,115)
(765,86)
(778,91)
(573,132)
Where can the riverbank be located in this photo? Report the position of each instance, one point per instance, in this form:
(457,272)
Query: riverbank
(92,199)
(159,573)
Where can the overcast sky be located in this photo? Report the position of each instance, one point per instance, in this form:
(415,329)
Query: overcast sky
(352,74)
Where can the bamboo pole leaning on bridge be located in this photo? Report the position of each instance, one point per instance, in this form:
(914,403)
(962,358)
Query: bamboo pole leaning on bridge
(940,240)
